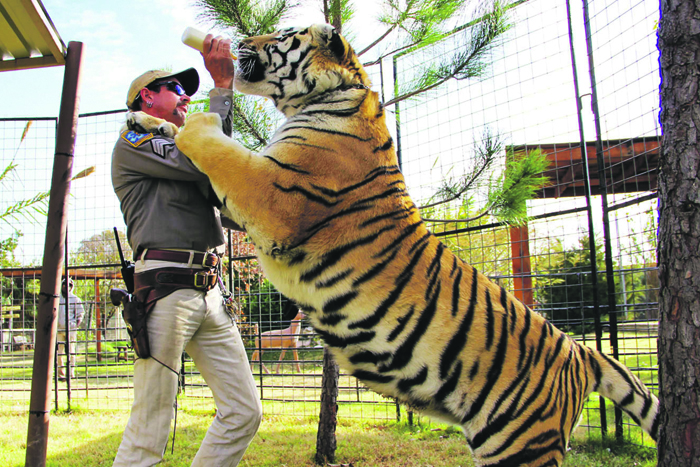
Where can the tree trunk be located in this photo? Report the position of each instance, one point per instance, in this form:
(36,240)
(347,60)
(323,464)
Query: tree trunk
(332,14)
(328,418)
(337,20)
(679,235)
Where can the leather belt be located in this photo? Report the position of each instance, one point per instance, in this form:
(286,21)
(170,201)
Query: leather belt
(206,260)
(178,278)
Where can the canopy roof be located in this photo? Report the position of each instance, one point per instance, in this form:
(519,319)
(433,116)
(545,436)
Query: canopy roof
(28,38)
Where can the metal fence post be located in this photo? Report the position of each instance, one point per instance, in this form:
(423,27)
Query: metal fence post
(589,211)
(612,308)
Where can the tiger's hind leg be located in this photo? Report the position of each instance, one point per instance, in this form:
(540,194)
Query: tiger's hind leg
(524,459)
(526,445)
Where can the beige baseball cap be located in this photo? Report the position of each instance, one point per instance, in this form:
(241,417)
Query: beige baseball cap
(189,79)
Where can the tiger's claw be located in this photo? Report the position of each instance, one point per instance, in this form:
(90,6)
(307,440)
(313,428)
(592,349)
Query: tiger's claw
(141,122)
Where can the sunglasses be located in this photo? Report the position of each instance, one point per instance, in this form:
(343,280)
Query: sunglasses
(169,85)
(174,87)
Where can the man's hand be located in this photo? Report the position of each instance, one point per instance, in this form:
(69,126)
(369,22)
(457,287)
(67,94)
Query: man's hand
(218,60)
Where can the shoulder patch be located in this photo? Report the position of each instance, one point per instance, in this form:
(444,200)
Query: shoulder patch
(136,139)
(160,145)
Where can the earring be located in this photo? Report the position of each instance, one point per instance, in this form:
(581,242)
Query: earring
(149,104)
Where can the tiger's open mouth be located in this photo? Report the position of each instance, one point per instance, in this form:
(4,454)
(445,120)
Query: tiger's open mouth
(250,68)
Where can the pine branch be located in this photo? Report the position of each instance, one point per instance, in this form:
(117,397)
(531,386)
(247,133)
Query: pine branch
(247,18)
(507,198)
(243,117)
(337,13)
(419,19)
(456,193)
(486,155)
(378,40)
(37,203)
(521,180)
(84,173)
(24,135)
(465,220)
(468,64)
(392,52)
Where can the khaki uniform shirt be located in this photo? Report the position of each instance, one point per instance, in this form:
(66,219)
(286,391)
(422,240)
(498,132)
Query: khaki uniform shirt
(165,200)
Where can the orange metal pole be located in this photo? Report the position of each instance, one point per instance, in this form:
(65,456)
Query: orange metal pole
(522,271)
(98,320)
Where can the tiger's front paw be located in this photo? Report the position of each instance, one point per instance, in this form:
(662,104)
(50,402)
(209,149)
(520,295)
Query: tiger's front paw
(200,127)
(141,122)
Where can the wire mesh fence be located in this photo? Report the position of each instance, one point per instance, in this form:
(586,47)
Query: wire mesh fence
(583,92)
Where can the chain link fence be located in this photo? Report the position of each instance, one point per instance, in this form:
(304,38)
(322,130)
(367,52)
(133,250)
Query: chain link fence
(578,82)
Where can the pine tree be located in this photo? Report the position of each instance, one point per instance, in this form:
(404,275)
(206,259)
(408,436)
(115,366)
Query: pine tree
(679,235)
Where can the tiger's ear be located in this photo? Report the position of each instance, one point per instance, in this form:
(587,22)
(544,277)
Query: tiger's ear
(332,39)
(336,44)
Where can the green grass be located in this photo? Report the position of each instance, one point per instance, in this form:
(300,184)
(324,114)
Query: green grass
(90,438)
(367,432)
(609,453)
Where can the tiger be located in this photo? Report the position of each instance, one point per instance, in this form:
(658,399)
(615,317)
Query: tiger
(327,209)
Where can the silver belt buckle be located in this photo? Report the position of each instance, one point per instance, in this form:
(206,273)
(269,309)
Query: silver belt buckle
(200,280)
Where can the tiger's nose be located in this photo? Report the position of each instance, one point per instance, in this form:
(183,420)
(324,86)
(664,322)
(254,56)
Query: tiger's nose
(246,44)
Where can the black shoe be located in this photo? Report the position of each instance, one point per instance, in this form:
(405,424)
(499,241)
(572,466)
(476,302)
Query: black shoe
(61,378)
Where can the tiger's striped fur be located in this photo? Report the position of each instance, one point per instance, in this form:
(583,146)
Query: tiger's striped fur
(327,209)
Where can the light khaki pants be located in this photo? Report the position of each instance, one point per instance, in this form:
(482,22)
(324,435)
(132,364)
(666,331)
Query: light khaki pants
(61,357)
(197,322)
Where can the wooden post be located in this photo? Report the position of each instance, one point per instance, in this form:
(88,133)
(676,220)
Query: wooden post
(45,341)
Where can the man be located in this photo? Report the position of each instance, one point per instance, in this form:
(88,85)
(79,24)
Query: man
(172,227)
(75,318)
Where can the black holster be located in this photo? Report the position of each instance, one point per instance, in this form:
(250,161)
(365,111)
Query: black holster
(149,287)
(135,315)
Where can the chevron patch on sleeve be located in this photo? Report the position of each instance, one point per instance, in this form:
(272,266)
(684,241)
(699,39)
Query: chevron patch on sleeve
(160,146)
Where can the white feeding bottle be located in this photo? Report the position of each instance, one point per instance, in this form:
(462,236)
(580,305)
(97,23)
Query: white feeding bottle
(195,38)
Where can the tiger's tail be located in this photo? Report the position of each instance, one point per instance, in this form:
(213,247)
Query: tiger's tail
(617,383)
